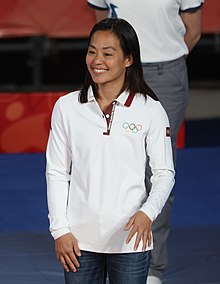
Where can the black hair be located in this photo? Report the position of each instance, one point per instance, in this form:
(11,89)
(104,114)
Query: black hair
(134,78)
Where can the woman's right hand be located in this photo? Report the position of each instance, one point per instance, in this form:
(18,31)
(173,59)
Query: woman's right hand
(67,252)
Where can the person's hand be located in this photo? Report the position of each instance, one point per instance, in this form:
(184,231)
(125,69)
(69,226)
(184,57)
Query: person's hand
(142,225)
(67,251)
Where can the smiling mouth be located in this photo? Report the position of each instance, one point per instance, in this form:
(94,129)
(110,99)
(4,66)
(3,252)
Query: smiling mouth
(99,71)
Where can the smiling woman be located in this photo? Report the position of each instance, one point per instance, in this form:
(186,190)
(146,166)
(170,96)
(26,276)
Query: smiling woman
(99,210)
(107,65)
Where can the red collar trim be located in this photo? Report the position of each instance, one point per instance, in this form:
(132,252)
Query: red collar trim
(129,99)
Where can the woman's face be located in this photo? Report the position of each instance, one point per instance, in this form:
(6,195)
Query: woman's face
(105,59)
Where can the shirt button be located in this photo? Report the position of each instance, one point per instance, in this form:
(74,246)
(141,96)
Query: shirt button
(107,115)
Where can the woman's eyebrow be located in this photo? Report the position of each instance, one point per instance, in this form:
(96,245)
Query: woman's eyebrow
(109,47)
(105,47)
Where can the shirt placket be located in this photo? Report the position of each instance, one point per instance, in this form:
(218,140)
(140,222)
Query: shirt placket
(109,115)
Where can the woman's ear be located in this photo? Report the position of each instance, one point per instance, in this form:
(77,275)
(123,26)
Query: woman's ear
(129,61)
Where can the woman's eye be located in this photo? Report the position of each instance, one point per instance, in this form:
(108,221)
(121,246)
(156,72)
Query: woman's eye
(108,54)
(91,52)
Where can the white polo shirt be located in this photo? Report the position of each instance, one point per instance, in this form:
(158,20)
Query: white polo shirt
(96,168)
(157,22)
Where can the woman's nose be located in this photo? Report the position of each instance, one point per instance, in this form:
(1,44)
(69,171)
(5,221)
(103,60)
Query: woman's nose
(98,58)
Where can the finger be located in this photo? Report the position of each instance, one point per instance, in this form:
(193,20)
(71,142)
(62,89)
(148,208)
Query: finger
(73,259)
(137,240)
(129,224)
(131,235)
(70,264)
(64,264)
(144,240)
(76,249)
(149,239)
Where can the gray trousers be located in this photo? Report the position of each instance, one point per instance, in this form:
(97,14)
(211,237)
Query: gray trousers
(169,81)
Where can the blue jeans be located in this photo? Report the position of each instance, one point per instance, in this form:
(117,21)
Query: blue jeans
(122,268)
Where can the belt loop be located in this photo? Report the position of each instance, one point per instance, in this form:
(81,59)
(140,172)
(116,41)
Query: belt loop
(160,68)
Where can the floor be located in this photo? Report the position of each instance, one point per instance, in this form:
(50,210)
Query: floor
(27,249)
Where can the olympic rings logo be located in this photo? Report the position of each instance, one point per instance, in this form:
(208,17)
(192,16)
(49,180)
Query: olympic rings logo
(132,127)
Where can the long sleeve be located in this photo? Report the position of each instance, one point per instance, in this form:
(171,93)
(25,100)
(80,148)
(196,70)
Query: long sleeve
(58,156)
(159,150)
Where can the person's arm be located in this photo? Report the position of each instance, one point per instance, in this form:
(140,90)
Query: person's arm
(58,156)
(159,150)
(192,22)
(58,163)
(101,14)
(101,9)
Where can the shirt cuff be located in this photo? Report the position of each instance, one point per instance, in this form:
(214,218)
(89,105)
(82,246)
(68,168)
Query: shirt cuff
(59,233)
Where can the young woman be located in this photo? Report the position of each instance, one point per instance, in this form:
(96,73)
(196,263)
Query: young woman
(100,141)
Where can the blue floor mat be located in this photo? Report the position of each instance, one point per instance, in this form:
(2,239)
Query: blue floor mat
(197,189)
(23,190)
(27,250)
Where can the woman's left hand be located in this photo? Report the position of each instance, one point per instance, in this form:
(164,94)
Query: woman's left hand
(142,226)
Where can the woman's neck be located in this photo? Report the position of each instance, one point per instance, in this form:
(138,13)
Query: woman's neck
(106,95)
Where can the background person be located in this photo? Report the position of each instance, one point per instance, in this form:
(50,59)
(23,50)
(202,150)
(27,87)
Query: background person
(168,31)
(100,213)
